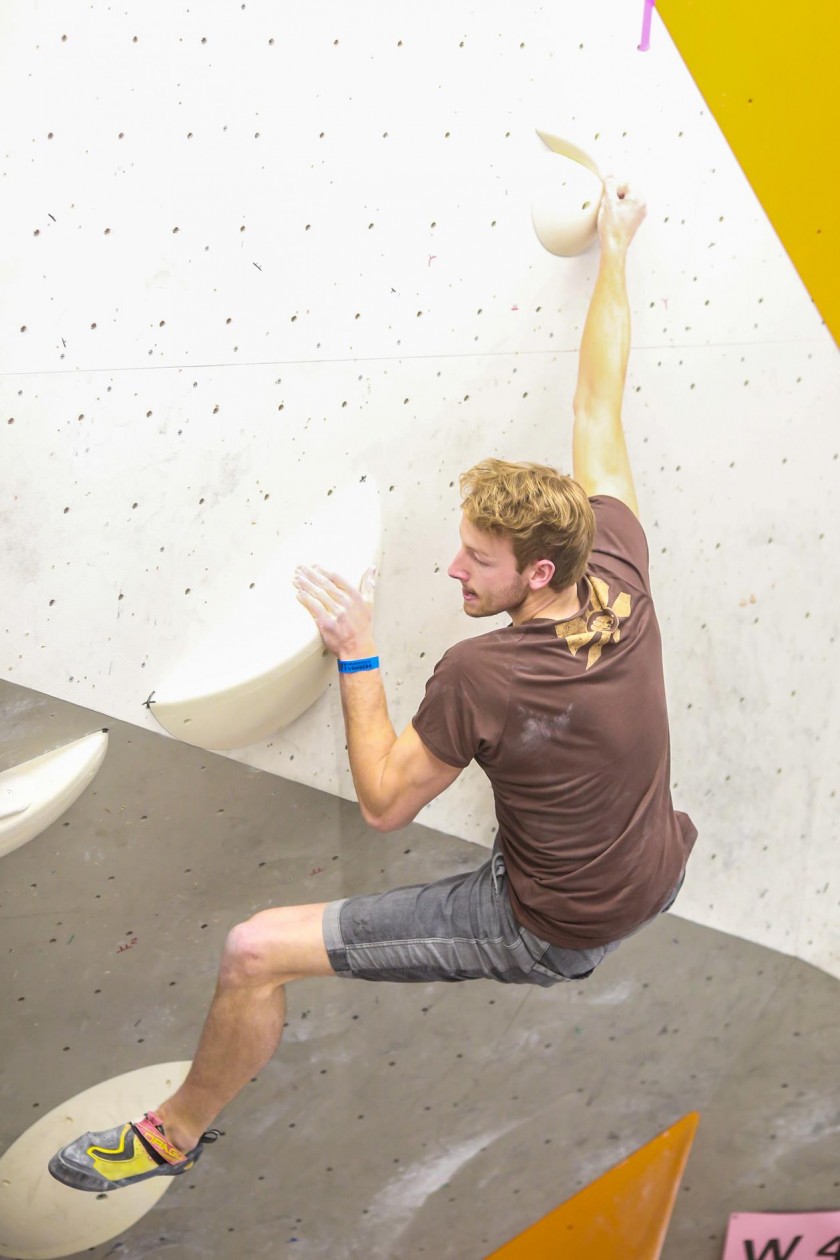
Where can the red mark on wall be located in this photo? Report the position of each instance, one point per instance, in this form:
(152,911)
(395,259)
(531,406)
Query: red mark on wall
(317,870)
(128,945)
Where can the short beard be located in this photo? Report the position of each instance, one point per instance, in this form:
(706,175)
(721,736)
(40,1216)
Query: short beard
(509,602)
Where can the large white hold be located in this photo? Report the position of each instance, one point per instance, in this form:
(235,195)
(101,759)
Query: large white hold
(567,196)
(39,1217)
(37,792)
(264,663)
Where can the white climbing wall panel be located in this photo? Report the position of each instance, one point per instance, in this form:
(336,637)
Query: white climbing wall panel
(251,253)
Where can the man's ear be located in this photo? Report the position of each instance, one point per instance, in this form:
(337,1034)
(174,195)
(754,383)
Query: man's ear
(542,571)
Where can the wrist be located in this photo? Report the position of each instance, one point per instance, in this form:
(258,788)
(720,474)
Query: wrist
(359,665)
(357,651)
(614,250)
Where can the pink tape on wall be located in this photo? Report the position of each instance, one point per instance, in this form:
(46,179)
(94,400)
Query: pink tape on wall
(646,20)
(782,1235)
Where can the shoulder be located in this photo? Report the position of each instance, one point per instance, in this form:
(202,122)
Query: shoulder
(476,666)
(619,533)
(462,711)
(614,516)
(471,655)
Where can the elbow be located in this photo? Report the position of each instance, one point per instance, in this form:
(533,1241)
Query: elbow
(376,821)
(384,825)
(384,822)
(590,407)
(580,402)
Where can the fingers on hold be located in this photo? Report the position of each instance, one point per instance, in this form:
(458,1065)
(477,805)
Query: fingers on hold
(307,597)
(333,582)
(305,579)
(616,188)
(306,584)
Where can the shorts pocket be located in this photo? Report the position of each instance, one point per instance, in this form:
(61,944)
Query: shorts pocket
(562,964)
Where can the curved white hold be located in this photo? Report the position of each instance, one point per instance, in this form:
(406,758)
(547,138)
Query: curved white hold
(35,793)
(566,199)
(12,801)
(262,666)
(39,1217)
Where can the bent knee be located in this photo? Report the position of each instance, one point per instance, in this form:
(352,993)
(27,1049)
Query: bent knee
(265,949)
(250,955)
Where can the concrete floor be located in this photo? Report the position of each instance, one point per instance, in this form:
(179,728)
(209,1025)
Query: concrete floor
(396,1122)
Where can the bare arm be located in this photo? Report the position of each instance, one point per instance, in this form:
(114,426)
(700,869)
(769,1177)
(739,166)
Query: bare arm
(394,776)
(600,460)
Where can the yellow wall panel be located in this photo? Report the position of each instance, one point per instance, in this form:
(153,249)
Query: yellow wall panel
(768,72)
(624,1212)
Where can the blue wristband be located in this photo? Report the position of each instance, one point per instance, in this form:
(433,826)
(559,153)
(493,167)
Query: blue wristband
(357,667)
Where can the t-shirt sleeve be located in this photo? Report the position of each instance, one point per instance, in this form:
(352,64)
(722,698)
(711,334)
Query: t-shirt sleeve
(448,718)
(619,535)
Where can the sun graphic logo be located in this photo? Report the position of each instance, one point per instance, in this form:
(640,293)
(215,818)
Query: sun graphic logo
(601,624)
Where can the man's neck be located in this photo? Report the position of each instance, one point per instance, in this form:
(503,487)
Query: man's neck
(548,604)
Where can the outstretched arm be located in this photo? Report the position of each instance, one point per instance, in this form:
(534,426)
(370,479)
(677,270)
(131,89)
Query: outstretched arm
(394,776)
(600,460)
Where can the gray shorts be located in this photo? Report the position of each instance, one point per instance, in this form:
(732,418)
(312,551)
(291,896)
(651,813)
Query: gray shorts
(460,928)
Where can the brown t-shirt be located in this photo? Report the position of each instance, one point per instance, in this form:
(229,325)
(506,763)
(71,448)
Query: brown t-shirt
(568,721)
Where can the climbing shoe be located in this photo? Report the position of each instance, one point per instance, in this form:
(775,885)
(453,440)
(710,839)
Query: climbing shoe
(123,1156)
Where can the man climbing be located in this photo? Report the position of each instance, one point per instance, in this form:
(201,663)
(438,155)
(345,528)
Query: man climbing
(564,709)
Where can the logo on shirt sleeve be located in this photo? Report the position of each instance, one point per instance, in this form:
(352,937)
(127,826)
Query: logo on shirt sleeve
(601,624)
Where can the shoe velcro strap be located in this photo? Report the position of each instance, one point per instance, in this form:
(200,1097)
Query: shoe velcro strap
(149,1130)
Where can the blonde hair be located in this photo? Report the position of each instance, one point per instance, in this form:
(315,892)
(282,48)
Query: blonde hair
(546,514)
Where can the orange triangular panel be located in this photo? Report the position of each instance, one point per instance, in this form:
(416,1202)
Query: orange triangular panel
(768,72)
(624,1213)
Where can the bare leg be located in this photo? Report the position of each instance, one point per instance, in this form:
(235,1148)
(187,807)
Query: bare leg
(245,1022)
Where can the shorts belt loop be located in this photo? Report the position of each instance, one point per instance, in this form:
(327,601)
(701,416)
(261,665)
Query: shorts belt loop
(497,871)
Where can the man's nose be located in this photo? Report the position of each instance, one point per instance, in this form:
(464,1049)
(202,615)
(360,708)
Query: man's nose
(456,569)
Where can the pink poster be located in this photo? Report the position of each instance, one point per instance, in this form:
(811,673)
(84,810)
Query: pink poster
(783,1236)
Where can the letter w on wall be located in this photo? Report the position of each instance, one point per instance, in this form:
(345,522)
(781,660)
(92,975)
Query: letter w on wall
(773,1250)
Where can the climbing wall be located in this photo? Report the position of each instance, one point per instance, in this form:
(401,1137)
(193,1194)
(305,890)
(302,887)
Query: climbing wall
(246,263)
(767,73)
